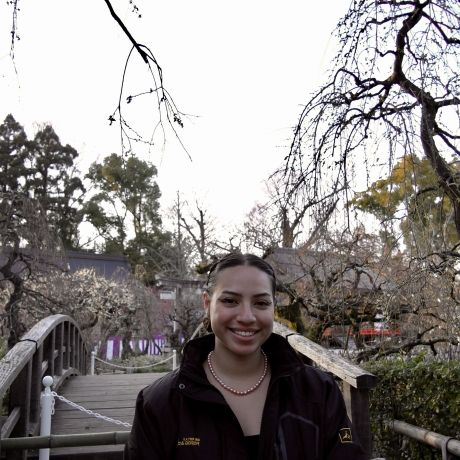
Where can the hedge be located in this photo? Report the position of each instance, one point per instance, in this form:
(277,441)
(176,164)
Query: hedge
(417,391)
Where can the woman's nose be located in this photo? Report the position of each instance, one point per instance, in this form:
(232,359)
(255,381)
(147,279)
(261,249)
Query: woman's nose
(245,313)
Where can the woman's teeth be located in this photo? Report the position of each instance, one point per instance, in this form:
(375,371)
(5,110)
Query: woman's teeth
(244,333)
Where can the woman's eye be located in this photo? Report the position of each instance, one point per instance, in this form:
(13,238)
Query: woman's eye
(228,300)
(263,304)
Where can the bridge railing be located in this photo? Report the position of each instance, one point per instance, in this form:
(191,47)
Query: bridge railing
(55,347)
(355,382)
(445,444)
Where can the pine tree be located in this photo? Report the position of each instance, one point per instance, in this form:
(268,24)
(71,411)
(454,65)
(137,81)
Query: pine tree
(53,181)
(14,151)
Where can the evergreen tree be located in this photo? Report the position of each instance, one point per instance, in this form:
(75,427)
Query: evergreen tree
(125,212)
(14,151)
(52,180)
(43,170)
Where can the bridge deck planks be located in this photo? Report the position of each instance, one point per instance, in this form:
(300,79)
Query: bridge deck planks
(113,395)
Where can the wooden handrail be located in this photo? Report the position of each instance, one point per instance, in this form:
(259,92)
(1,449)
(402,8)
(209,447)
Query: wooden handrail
(67,440)
(427,437)
(340,367)
(54,346)
(356,382)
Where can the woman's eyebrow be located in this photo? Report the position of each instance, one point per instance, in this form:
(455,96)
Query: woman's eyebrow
(262,294)
(230,293)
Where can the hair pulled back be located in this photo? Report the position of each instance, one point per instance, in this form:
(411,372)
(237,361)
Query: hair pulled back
(235,259)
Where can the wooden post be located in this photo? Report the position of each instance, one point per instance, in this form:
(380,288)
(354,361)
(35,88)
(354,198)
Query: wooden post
(357,404)
(73,347)
(20,397)
(83,368)
(59,345)
(51,347)
(67,345)
(36,386)
(77,350)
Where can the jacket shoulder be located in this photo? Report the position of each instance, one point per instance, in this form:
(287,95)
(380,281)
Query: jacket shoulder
(320,384)
(157,393)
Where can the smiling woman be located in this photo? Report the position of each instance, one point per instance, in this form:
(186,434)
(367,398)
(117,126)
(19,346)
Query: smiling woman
(242,392)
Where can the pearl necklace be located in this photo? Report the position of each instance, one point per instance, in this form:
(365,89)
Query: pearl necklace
(232,390)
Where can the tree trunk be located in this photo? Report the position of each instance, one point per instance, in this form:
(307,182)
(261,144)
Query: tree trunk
(449,182)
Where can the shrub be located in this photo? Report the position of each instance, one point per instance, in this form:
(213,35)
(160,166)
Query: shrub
(420,392)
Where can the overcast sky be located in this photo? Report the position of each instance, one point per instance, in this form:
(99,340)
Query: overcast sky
(242,69)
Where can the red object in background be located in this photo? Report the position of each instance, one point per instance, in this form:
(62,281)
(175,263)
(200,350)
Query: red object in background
(387,332)
(368,332)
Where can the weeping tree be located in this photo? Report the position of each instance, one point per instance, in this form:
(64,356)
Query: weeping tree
(28,247)
(393,91)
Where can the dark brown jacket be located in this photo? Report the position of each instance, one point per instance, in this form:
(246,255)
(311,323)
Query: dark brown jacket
(183,417)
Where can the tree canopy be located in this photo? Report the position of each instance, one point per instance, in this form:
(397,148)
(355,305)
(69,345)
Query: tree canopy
(125,213)
(411,195)
(43,169)
(393,90)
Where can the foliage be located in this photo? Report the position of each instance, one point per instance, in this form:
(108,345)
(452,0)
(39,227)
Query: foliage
(43,169)
(411,194)
(125,212)
(392,91)
(52,179)
(14,148)
(127,188)
(27,247)
(420,392)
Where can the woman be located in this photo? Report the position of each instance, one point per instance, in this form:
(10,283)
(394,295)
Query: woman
(241,392)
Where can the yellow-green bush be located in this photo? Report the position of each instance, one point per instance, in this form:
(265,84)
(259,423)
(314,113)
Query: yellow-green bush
(419,392)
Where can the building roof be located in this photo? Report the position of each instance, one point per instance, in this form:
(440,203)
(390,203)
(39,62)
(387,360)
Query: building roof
(105,265)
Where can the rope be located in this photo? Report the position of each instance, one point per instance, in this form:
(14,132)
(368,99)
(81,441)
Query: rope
(89,411)
(134,367)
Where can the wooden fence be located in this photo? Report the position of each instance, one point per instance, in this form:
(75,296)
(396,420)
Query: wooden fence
(55,347)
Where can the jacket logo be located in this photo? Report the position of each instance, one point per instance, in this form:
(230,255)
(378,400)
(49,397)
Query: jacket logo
(189,441)
(345,435)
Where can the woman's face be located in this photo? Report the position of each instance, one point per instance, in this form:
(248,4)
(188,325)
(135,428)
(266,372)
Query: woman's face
(241,309)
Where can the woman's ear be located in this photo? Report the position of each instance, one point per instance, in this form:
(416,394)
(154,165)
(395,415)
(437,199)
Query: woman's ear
(206,301)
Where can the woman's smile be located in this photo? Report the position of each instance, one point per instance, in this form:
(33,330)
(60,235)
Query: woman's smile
(243,333)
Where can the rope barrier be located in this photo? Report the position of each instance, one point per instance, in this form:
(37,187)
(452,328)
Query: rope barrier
(134,367)
(89,411)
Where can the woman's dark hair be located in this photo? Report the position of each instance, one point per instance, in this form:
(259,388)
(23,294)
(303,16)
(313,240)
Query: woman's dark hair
(235,259)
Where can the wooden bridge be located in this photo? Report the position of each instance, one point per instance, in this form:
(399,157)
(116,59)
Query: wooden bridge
(55,347)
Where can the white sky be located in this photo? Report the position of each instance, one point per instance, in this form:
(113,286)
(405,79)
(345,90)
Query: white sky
(243,67)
